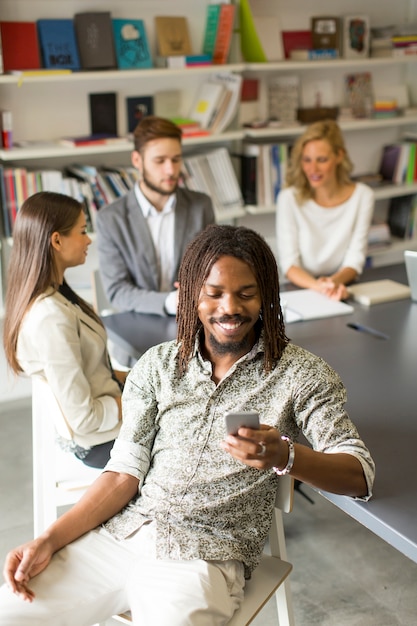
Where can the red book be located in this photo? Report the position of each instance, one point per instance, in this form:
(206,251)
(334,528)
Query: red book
(224,33)
(20,46)
(296,40)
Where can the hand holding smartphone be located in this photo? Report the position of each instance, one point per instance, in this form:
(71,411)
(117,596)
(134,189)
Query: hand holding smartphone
(246,419)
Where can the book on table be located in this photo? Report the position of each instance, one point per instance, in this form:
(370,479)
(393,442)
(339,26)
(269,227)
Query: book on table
(377,291)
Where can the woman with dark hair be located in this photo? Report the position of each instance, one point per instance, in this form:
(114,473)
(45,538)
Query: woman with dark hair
(323,217)
(50,332)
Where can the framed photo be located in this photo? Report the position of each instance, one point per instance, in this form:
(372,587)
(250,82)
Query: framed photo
(355,36)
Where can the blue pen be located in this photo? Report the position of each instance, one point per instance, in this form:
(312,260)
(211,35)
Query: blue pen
(367,329)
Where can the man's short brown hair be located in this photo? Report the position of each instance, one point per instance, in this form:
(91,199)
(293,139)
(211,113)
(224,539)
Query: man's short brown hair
(153,127)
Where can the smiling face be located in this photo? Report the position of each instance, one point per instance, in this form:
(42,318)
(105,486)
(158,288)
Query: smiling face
(160,165)
(319,163)
(228,307)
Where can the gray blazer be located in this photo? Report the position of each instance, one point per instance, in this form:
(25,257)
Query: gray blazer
(126,253)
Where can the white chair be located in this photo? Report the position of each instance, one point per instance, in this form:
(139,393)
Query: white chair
(270,577)
(100,302)
(59,478)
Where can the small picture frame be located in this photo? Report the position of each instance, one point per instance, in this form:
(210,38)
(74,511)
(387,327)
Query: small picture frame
(355,36)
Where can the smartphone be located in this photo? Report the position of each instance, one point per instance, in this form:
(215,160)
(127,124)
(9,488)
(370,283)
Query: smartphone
(249,419)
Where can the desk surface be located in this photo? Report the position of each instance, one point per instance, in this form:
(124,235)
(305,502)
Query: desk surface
(380,377)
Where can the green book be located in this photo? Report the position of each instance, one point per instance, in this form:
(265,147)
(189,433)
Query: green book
(210,33)
(409,177)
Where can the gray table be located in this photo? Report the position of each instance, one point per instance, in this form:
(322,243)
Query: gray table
(380,377)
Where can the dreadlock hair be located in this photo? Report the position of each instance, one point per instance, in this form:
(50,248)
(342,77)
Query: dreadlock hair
(214,242)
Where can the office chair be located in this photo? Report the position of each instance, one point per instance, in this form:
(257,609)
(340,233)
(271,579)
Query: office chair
(59,478)
(269,578)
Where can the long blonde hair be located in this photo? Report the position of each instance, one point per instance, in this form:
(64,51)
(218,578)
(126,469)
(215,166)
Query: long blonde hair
(328,131)
(32,269)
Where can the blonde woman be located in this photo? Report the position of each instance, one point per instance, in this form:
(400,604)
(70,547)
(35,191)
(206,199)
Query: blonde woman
(323,217)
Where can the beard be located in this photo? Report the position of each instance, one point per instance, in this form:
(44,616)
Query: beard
(153,187)
(230,347)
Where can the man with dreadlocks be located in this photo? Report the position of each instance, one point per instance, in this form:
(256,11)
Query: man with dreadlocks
(184,510)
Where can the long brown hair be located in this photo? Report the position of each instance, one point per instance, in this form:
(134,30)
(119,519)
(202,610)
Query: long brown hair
(329,131)
(32,268)
(202,253)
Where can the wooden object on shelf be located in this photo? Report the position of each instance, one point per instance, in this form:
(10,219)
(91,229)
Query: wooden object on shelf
(95,40)
(172,35)
(131,44)
(316,114)
(58,44)
(20,46)
(326,32)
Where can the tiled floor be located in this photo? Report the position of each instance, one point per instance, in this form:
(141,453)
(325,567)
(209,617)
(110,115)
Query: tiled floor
(343,575)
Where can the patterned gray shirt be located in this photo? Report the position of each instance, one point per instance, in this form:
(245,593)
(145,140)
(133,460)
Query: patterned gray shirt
(206,504)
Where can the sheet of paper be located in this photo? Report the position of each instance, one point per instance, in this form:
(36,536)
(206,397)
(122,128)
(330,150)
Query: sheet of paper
(306,304)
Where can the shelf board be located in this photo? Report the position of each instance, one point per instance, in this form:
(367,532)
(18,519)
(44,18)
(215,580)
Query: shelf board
(346,125)
(154,72)
(290,66)
(394,190)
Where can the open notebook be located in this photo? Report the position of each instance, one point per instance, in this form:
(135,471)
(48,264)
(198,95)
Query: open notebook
(307,304)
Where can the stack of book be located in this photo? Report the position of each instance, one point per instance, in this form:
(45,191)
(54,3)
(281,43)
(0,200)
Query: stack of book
(404,45)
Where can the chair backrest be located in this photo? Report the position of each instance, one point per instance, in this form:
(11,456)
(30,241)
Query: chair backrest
(59,478)
(101,303)
(271,576)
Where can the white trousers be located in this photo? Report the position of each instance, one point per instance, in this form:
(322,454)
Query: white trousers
(96,577)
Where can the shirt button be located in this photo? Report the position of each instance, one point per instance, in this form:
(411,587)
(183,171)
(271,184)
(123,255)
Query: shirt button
(188,469)
(200,438)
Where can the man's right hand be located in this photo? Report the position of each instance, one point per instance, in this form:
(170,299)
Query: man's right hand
(25,562)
